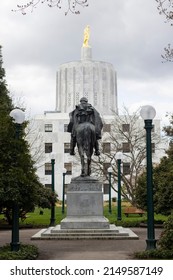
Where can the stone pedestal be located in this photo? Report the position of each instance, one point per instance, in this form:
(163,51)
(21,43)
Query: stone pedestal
(85,205)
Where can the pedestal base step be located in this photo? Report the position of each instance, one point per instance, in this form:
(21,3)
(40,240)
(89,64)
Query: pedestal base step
(70,234)
(85,222)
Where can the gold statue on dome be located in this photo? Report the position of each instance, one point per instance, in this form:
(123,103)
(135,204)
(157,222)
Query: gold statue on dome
(86,36)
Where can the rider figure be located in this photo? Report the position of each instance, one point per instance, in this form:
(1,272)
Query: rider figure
(84,112)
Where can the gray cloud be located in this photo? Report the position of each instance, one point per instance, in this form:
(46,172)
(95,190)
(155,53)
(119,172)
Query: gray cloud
(129,34)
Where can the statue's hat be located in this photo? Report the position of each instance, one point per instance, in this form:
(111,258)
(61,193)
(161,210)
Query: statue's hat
(84,99)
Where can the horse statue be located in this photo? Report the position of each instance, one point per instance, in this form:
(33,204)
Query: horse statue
(85,127)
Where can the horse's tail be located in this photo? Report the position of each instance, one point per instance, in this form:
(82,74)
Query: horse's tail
(87,135)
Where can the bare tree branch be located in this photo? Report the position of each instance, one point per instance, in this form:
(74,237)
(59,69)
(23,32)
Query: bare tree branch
(168,55)
(72,5)
(165,7)
(35,141)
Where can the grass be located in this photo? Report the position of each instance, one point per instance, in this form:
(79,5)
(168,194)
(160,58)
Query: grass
(34,219)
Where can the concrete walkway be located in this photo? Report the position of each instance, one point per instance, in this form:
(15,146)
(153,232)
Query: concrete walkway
(82,249)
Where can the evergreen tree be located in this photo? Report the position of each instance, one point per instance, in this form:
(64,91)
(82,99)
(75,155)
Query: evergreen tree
(18,180)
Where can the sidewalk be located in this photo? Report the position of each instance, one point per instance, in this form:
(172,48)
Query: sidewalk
(82,249)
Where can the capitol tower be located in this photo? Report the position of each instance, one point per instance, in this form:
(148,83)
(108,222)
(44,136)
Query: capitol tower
(96,80)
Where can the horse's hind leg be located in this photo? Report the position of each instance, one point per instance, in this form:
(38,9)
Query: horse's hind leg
(89,166)
(83,166)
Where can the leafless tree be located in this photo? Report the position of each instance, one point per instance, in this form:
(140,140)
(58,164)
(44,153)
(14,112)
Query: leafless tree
(35,140)
(72,5)
(128,136)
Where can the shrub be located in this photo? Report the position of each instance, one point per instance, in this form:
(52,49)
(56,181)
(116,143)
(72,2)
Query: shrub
(166,238)
(26,252)
(154,254)
(165,244)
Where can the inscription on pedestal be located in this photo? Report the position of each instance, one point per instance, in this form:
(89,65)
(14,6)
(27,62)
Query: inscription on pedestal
(86,187)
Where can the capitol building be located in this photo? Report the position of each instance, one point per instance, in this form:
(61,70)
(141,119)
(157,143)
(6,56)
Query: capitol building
(95,80)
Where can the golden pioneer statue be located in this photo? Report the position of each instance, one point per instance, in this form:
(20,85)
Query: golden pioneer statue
(86,36)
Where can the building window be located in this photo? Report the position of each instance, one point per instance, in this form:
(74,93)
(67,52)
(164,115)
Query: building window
(106,188)
(66,147)
(48,168)
(48,148)
(106,148)
(65,127)
(126,168)
(126,147)
(106,127)
(68,166)
(153,147)
(106,165)
(48,127)
(48,186)
(125,127)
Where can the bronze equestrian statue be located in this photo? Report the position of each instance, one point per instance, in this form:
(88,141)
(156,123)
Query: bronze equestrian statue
(85,127)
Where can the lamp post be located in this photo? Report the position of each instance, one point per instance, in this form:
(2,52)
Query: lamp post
(119,158)
(18,118)
(52,219)
(110,175)
(63,190)
(148,113)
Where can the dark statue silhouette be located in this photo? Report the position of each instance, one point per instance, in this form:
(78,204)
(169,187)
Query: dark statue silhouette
(85,127)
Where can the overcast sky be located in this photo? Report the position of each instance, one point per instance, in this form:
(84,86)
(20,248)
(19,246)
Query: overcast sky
(129,34)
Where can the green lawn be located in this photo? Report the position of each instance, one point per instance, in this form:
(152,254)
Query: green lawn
(34,219)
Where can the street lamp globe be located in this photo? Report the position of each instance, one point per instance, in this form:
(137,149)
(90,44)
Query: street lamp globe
(18,116)
(119,155)
(110,170)
(52,156)
(148,112)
